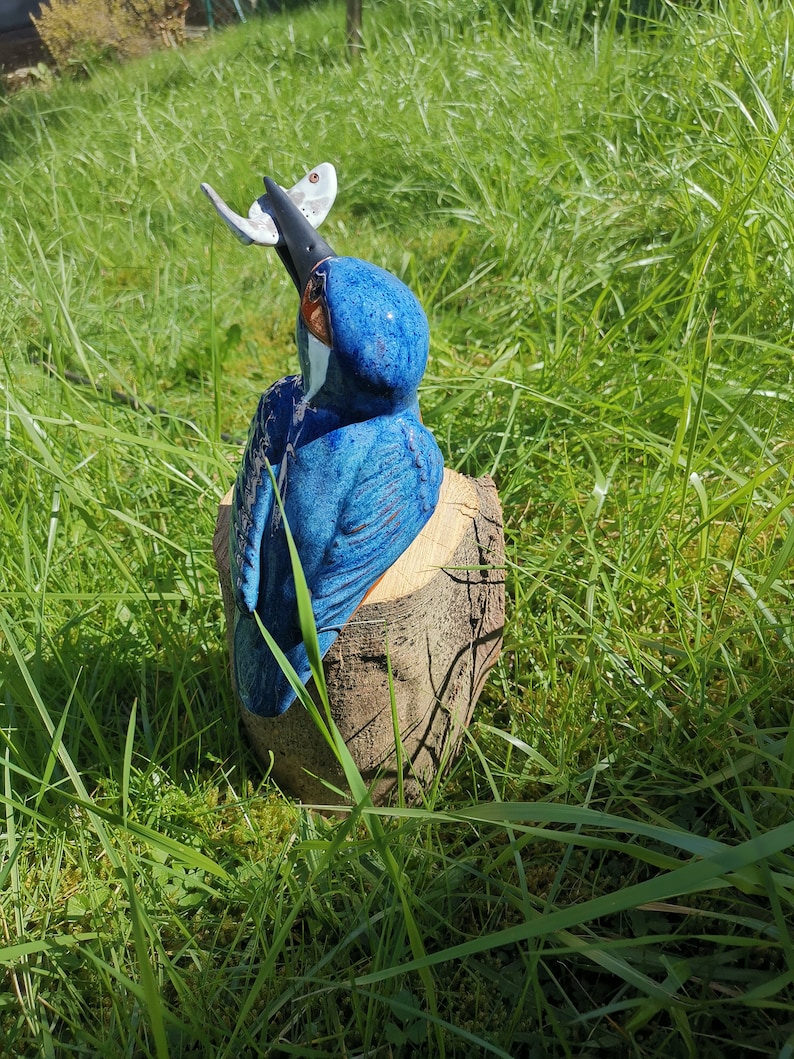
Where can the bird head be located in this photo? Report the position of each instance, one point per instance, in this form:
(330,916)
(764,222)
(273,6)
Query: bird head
(363,337)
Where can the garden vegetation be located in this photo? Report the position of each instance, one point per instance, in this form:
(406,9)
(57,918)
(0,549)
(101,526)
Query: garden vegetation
(83,31)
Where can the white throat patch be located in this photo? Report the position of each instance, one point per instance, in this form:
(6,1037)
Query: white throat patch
(319,355)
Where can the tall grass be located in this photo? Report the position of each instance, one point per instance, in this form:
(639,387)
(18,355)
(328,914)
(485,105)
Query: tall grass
(596,213)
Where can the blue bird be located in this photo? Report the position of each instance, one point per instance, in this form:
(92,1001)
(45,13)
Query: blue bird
(358,473)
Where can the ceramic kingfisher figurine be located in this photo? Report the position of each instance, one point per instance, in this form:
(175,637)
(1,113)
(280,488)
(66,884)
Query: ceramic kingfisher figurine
(358,473)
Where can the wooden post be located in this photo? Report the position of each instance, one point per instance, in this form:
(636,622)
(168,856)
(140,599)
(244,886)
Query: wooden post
(355,41)
(436,618)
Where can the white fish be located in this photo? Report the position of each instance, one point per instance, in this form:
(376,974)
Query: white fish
(314,195)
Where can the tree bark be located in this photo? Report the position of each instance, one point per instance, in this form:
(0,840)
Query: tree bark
(435,619)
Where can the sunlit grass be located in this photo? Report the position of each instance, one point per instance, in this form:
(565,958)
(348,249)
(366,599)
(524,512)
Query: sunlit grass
(596,216)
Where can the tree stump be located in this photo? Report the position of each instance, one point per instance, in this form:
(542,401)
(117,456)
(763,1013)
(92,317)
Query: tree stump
(436,616)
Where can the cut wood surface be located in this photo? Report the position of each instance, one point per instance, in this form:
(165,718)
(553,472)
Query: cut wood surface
(458,504)
(436,618)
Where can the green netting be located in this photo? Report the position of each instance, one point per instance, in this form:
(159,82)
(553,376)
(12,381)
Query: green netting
(222,12)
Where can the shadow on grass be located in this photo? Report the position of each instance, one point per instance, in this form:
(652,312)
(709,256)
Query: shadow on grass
(168,714)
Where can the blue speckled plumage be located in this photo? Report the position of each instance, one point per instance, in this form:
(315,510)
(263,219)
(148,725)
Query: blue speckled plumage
(358,473)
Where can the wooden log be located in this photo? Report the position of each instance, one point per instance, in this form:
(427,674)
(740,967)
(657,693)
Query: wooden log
(437,617)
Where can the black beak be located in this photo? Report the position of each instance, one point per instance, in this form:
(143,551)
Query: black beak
(304,248)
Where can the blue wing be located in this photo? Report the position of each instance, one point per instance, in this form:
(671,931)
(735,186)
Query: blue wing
(252,501)
(393,498)
(357,498)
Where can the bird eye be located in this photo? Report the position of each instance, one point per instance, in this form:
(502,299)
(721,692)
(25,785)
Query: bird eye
(314,178)
(314,311)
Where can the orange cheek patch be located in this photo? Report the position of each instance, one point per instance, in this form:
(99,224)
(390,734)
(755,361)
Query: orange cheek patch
(316,318)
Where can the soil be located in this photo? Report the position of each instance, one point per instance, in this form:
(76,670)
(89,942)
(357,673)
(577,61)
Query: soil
(21,47)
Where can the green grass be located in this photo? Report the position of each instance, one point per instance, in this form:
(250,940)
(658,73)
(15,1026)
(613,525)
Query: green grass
(597,216)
